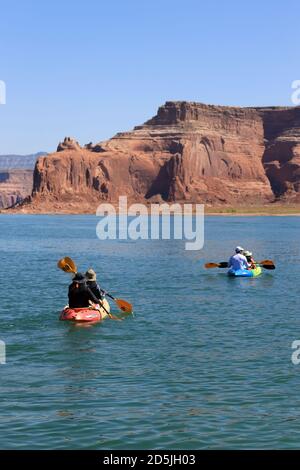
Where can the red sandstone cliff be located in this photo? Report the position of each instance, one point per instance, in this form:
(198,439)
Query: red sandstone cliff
(281,158)
(188,152)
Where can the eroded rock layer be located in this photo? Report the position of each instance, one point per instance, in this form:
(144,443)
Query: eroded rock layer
(188,152)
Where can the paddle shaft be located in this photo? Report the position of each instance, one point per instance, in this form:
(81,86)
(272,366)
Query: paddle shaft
(224,264)
(109,295)
(113,317)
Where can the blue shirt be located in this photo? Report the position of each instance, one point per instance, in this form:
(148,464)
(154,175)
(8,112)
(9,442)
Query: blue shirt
(238,261)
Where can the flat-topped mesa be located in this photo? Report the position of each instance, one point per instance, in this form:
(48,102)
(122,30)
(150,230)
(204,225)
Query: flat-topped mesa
(179,112)
(188,152)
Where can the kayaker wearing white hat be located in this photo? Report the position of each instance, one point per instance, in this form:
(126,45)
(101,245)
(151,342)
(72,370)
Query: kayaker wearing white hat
(249,258)
(238,261)
(91,277)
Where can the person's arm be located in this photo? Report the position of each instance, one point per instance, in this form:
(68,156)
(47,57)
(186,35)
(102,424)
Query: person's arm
(69,293)
(230,262)
(103,292)
(99,292)
(246,264)
(93,298)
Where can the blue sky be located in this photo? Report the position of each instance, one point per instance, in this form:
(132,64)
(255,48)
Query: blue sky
(89,69)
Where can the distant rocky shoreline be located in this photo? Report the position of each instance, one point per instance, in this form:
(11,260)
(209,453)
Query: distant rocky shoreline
(225,157)
(16,177)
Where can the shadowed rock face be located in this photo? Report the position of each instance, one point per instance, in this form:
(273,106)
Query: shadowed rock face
(281,158)
(188,152)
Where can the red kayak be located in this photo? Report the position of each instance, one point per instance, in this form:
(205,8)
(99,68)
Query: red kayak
(85,314)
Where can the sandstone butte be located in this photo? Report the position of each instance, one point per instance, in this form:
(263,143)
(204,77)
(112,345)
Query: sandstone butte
(188,152)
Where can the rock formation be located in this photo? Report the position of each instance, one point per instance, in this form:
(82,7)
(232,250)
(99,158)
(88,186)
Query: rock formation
(68,144)
(281,157)
(15,185)
(188,152)
(16,177)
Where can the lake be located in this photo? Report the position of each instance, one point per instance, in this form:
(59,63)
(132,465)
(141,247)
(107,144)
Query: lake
(204,363)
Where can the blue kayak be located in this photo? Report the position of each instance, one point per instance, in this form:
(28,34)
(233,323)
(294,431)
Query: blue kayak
(245,272)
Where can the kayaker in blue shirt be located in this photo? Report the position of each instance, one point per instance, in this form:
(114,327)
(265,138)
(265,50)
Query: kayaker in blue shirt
(238,261)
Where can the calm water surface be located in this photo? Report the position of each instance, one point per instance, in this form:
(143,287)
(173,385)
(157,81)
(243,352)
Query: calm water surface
(205,363)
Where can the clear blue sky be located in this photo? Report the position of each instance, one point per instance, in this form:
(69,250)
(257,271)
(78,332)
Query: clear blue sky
(89,68)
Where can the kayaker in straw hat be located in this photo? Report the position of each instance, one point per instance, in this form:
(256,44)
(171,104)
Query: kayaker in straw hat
(249,258)
(238,260)
(91,277)
(80,295)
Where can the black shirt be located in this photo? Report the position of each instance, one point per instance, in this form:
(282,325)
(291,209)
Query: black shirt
(80,295)
(95,288)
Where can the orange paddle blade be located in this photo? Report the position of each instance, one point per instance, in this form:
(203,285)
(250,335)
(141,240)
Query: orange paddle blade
(71,263)
(267,262)
(67,265)
(211,265)
(124,305)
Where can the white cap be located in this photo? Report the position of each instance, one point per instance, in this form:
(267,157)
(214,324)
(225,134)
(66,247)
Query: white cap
(239,249)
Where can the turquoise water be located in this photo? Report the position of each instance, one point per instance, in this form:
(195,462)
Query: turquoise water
(205,363)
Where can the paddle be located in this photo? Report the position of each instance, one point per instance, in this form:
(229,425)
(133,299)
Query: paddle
(113,317)
(68,266)
(122,304)
(266,264)
(216,265)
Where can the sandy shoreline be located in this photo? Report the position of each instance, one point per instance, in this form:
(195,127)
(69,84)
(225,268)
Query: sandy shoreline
(242,211)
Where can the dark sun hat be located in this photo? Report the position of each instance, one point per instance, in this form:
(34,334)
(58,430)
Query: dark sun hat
(79,278)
